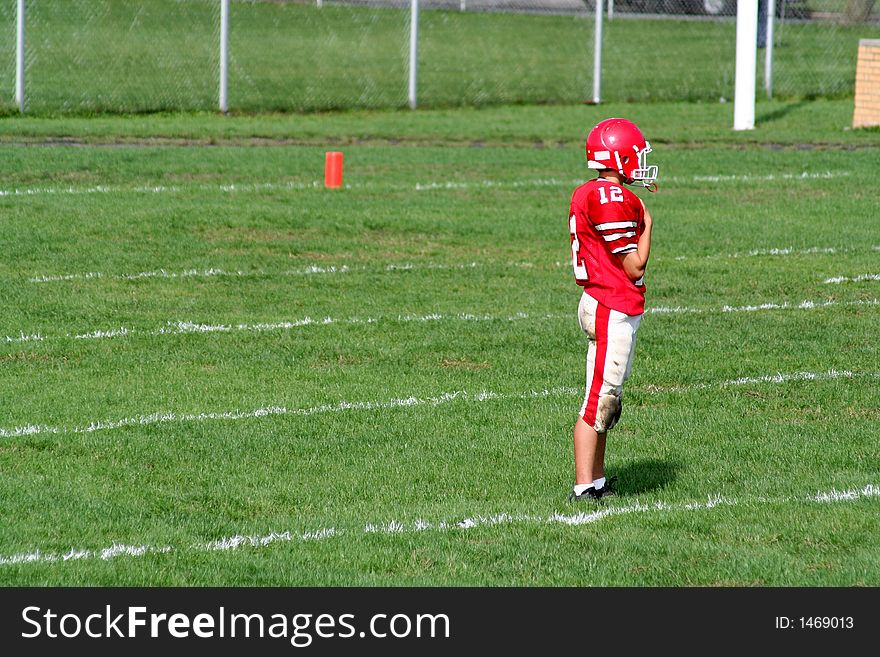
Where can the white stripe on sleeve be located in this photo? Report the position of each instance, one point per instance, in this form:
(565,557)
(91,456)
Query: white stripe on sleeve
(629,248)
(616,224)
(618,236)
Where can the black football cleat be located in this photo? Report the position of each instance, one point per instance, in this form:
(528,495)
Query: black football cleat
(608,489)
(589,495)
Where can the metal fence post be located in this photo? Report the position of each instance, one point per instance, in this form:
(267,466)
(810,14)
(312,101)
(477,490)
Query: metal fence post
(597,54)
(768,48)
(19,58)
(413,51)
(224,56)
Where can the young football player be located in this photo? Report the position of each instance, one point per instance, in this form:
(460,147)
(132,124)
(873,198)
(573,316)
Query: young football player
(610,230)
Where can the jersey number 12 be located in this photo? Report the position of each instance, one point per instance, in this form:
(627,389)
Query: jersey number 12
(616,195)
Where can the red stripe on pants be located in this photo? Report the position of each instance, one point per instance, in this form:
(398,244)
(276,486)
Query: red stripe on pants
(602,314)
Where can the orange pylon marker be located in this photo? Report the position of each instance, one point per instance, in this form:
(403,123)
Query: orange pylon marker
(333,170)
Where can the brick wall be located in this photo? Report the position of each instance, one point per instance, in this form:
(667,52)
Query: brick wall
(867,112)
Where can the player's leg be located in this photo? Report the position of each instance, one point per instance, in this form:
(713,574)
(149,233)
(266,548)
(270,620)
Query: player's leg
(586,438)
(599,459)
(617,365)
(621,347)
(609,361)
(594,408)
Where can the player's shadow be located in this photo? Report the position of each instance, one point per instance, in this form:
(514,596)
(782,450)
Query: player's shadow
(645,475)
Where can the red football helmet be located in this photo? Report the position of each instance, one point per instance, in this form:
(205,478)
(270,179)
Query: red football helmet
(619,145)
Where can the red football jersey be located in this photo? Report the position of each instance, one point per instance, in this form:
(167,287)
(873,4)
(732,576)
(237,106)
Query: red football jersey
(606,219)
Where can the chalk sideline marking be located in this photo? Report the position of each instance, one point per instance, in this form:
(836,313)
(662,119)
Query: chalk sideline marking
(395,527)
(164,417)
(310,270)
(778,251)
(217,272)
(184,327)
(255,187)
(853,279)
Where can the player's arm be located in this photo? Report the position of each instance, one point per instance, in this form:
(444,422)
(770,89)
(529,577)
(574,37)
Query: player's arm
(635,262)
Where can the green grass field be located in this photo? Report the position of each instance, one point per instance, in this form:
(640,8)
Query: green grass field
(216,372)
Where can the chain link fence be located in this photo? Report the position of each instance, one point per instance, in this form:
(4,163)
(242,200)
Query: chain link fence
(84,56)
(691,44)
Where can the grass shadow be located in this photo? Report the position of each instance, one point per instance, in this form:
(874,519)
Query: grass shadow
(780,112)
(644,476)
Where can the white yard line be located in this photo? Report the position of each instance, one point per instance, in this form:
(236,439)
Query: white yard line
(213,272)
(739,178)
(342,406)
(776,251)
(436,185)
(853,279)
(763,307)
(166,417)
(395,527)
(487,184)
(159,189)
(115,550)
(184,327)
(24,337)
(310,270)
(431,185)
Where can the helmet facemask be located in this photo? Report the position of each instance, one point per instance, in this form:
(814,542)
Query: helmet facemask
(644,174)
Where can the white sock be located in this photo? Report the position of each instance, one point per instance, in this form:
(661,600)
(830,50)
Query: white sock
(580,488)
(598,483)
